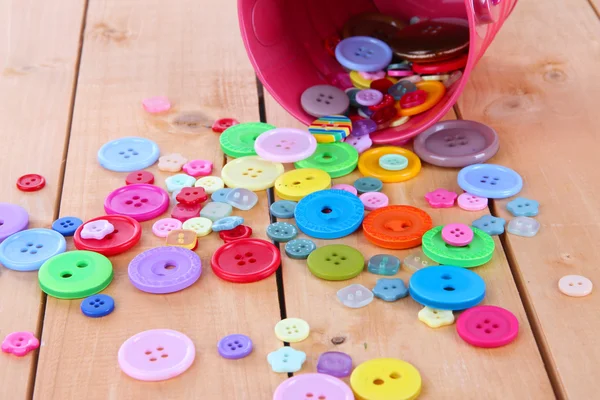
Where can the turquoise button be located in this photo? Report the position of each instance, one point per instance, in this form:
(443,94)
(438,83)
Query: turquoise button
(522,207)
(299,249)
(29,249)
(281,232)
(364,185)
(383,264)
(393,162)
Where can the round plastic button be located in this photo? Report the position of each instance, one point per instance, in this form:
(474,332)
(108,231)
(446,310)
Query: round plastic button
(75,274)
(479,251)
(162,227)
(27,250)
(285,145)
(441,67)
(374,200)
(457,234)
(487,326)
(336,262)
(13,219)
(281,232)
(31,183)
(324,100)
(202,226)
(292,330)
(245,260)
(447,288)
(220,196)
(252,173)
(210,184)
(364,185)
(490,180)
(393,162)
(337,159)
(97,306)
(329,214)
(299,249)
(239,232)
(368,164)
(575,285)
(346,188)
(298,183)
(222,124)
(139,177)
(457,143)
(156,355)
(470,202)
(66,226)
(386,378)
(435,92)
(396,227)
(238,141)
(128,154)
(139,201)
(369,97)
(165,269)
(363,53)
(283,209)
(313,386)
(234,347)
(126,234)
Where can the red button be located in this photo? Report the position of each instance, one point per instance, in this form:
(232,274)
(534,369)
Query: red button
(246,260)
(126,234)
(221,124)
(442,66)
(191,195)
(384,115)
(413,99)
(31,182)
(387,101)
(381,85)
(239,232)
(183,212)
(140,177)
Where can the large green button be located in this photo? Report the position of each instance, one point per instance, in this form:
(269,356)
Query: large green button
(476,253)
(238,140)
(75,274)
(336,262)
(337,159)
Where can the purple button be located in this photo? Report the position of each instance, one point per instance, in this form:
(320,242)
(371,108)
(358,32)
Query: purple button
(165,269)
(363,53)
(335,363)
(235,346)
(323,100)
(363,127)
(313,386)
(13,219)
(369,97)
(360,143)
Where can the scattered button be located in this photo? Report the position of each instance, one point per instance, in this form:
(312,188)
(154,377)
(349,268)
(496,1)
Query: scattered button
(362,53)
(364,126)
(286,359)
(238,141)
(139,177)
(487,326)
(202,226)
(281,232)
(184,238)
(220,195)
(329,129)
(335,363)
(126,235)
(355,296)
(523,226)
(390,289)
(227,223)
(368,164)
(157,104)
(286,145)
(369,97)
(299,249)
(239,232)
(479,251)
(234,347)
(292,330)
(191,195)
(27,250)
(97,229)
(162,227)
(396,227)
(434,92)
(128,154)
(140,201)
(20,343)
(470,202)
(259,259)
(336,262)
(31,183)
(374,200)
(198,168)
(97,306)
(434,318)
(489,180)
(522,207)
(393,162)
(490,225)
(417,261)
(441,198)
(210,183)
(216,211)
(457,234)
(283,209)
(66,226)
(575,285)
(298,183)
(242,199)
(252,173)
(346,188)
(413,99)
(179,181)
(337,159)
(386,378)
(13,219)
(360,143)
(383,264)
(183,212)
(222,124)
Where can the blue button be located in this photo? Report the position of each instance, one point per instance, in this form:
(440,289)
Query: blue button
(364,185)
(329,214)
(390,289)
(227,223)
(363,53)
(383,264)
(300,249)
(97,306)
(283,209)
(490,180)
(490,225)
(67,226)
(128,154)
(522,207)
(220,195)
(29,249)
(447,288)
(281,231)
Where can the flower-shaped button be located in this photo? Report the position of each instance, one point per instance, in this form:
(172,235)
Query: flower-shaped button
(281,232)
(171,162)
(575,285)
(383,264)
(523,226)
(156,104)
(335,363)
(286,359)
(182,238)
(227,223)
(97,229)
(292,330)
(435,318)
(198,168)
(457,234)
(522,207)
(210,183)
(234,347)
(417,261)
(20,343)
(183,212)
(220,125)
(216,211)
(162,227)
(355,296)
(441,198)
(191,195)
(490,225)
(470,202)
(360,143)
(374,200)
(242,199)
(390,289)
(179,181)
(202,226)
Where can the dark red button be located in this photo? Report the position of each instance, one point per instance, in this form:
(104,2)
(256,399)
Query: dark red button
(221,124)
(413,99)
(139,177)
(126,234)
(387,101)
(239,232)
(246,260)
(381,85)
(384,115)
(183,212)
(441,66)
(191,195)
(31,182)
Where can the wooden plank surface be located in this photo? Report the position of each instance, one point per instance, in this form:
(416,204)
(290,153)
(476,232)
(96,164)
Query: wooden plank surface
(534,86)
(38,59)
(134,49)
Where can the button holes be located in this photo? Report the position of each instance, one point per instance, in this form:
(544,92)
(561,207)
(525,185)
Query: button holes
(322,397)
(153,359)
(241,263)
(252,261)
(445,276)
(33,252)
(160,348)
(327,102)
(136,197)
(526,205)
(337,263)
(129,202)
(488,331)
(385,288)
(571,284)
(126,156)
(24,250)
(493,222)
(96,306)
(260,170)
(329,259)
(101,303)
(135,153)
(66,275)
(486,321)
(435,311)
(395,375)
(493,183)
(378,382)
(137,204)
(478,326)
(482,181)
(164,355)
(309,395)
(495,326)
(121,152)
(29,244)
(579,283)
(249,254)
(449,288)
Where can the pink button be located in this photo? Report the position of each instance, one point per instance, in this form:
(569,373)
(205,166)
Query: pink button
(457,234)
(441,198)
(374,200)
(156,104)
(345,188)
(487,326)
(372,76)
(313,387)
(470,202)
(139,201)
(285,145)
(360,143)
(400,72)
(369,97)
(198,168)
(156,355)
(162,227)
(20,343)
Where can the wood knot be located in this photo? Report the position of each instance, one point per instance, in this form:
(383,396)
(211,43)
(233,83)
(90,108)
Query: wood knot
(191,122)
(555,75)
(338,340)
(107,33)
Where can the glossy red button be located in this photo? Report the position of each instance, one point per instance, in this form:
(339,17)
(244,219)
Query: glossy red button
(126,234)
(246,260)
(384,115)
(442,66)
(31,182)
(140,177)
(239,232)
(191,195)
(221,124)
(413,99)
(381,85)
(387,101)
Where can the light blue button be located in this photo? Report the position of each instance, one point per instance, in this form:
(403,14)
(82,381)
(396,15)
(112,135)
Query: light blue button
(364,185)
(227,223)
(393,162)
(490,180)
(220,195)
(383,264)
(390,289)
(283,209)
(29,249)
(281,232)
(490,225)
(286,359)
(522,207)
(128,154)
(299,249)
(215,211)
(447,288)
(179,181)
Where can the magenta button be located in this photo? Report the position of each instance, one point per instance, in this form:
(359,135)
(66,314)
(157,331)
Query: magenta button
(139,201)
(285,145)
(457,234)
(313,386)
(487,326)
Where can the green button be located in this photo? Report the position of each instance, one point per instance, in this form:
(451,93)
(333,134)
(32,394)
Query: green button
(238,140)
(336,262)
(337,159)
(393,162)
(476,253)
(75,274)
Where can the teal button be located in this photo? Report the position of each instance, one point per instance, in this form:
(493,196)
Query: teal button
(393,162)
(299,249)
(281,232)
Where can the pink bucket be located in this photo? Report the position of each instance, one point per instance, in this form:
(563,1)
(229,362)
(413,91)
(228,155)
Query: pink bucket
(284,40)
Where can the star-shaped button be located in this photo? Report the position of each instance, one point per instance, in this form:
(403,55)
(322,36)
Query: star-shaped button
(286,359)
(522,207)
(435,318)
(390,289)
(490,225)
(441,198)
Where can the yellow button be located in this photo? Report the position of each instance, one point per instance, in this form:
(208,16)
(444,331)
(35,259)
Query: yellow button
(202,226)
(385,379)
(210,183)
(252,173)
(182,238)
(399,121)
(292,330)
(435,318)
(297,183)
(362,83)
(368,164)
(435,91)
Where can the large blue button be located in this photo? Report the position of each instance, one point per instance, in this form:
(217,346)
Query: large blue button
(447,288)
(490,180)
(29,249)
(67,226)
(97,306)
(128,154)
(329,214)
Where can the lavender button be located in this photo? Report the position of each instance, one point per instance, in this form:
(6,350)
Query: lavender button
(335,363)
(13,219)
(369,97)
(235,346)
(165,269)
(360,143)
(323,100)
(363,53)
(363,127)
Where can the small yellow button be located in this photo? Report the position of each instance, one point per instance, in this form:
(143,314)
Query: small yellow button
(298,183)
(435,91)
(182,238)
(292,330)
(436,318)
(210,183)
(252,173)
(368,164)
(385,379)
(202,226)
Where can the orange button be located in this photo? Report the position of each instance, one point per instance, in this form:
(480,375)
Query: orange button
(396,227)
(435,91)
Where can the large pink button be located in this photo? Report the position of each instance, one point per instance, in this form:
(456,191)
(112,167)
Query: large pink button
(139,201)
(156,355)
(285,145)
(487,326)
(457,234)
(470,202)
(313,387)
(374,200)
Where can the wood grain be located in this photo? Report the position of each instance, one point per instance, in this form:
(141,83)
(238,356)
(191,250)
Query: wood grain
(39,53)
